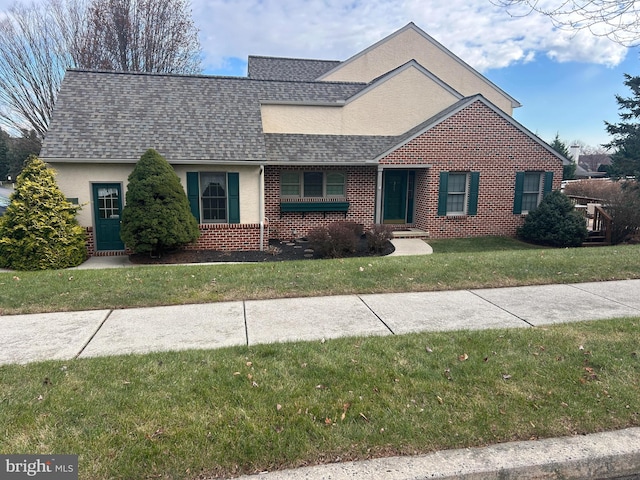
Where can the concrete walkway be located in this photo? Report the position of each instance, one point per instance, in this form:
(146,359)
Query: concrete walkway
(68,335)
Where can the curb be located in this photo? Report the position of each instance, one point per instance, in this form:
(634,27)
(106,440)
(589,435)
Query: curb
(606,455)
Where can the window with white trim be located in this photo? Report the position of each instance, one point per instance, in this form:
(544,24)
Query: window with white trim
(313,184)
(457,192)
(213,188)
(531,191)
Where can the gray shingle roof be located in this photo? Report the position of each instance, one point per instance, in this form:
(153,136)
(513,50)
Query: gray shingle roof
(108,116)
(278,68)
(324,149)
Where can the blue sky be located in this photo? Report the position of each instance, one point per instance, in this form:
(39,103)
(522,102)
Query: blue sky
(566,81)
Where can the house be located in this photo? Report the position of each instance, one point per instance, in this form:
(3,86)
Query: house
(403,133)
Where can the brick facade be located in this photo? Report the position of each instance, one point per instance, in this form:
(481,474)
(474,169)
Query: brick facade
(360,186)
(474,139)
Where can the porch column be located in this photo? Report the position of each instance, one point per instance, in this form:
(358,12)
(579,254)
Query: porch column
(378,213)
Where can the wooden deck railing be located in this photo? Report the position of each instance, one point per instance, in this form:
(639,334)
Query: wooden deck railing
(599,222)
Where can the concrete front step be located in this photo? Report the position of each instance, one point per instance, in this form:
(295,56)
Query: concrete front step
(410,233)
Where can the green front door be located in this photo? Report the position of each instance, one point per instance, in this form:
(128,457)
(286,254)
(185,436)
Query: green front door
(395,196)
(107,206)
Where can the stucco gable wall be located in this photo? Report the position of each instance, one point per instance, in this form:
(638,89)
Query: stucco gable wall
(408,45)
(391,108)
(474,139)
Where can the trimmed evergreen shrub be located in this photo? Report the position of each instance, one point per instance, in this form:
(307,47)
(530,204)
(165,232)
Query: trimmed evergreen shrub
(555,223)
(39,230)
(157,216)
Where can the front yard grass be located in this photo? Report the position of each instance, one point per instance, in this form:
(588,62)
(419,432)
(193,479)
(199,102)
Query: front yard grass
(179,415)
(501,263)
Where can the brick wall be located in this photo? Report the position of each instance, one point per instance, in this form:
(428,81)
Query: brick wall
(361,187)
(474,139)
(213,236)
(230,237)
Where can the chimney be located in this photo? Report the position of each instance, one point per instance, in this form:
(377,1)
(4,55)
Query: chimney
(575,153)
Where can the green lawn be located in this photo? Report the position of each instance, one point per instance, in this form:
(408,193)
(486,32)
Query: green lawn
(509,263)
(177,415)
(246,410)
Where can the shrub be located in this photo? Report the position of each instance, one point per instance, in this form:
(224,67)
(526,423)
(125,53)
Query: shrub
(336,240)
(39,230)
(620,199)
(157,216)
(378,237)
(555,223)
(624,208)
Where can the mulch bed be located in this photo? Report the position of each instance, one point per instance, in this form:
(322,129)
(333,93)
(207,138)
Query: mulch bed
(278,251)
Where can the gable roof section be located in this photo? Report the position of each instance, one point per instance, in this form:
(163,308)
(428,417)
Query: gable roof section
(116,117)
(418,130)
(387,106)
(279,68)
(452,57)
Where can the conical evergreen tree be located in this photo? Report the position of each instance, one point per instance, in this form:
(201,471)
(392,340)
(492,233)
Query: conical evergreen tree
(157,216)
(39,230)
(555,222)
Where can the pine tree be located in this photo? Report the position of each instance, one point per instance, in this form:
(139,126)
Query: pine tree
(626,134)
(568,170)
(157,216)
(39,230)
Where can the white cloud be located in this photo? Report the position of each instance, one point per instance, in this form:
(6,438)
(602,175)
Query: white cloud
(484,35)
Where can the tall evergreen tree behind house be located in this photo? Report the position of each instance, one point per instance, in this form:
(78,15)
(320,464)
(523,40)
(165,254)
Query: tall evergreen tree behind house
(626,134)
(157,216)
(568,170)
(39,230)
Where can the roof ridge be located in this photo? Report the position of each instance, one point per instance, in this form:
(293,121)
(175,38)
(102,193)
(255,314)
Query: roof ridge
(295,58)
(204,76)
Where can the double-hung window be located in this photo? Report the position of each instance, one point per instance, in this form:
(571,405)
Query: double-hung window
(531,187)
(458,193)
(214,197)
(213,194)
(531,191)
(311,185)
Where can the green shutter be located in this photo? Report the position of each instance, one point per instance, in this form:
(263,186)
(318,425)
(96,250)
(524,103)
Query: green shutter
(442,193)
(548,183)
(517,199)
(193,193)
(233,196)
(474,186)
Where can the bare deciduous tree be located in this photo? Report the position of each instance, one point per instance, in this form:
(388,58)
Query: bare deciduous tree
(33,59)
(142,36)
(618,20)
(39,42)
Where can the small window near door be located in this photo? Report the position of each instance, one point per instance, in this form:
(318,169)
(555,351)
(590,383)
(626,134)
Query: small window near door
(108,203)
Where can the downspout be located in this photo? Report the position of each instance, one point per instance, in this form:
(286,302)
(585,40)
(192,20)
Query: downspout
(261,206)
(378,212)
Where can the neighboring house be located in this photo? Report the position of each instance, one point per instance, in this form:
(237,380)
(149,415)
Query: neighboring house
(590,165)
(402,133)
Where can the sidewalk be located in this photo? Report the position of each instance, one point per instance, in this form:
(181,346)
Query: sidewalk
(68,335)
